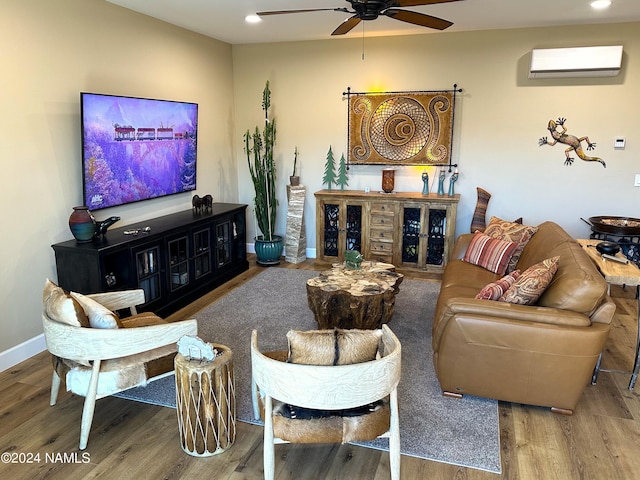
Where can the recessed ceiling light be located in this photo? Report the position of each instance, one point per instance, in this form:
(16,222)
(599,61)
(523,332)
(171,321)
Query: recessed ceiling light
(600,4)
(252,19)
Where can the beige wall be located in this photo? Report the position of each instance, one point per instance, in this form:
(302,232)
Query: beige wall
(499,117)
(51,51)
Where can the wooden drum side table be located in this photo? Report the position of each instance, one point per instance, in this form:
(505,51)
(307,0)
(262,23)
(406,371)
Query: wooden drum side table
(206,403)
(616,273)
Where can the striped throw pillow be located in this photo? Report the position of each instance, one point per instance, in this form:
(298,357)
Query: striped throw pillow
(494,290)
(490,253)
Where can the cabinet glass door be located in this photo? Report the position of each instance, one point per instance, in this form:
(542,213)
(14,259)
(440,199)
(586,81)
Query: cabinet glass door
(223,243)
(148,273)
(436,236)
(354,228)
(411,226)
(202,252)
(239,237)
(331,230)
(178,263)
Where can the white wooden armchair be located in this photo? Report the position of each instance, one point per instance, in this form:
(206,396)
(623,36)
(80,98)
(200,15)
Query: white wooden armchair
(334,390)
(98,362)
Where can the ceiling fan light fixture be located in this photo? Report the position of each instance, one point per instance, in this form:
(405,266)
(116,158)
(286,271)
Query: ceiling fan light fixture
(372,9)
(252,19)
(600,4)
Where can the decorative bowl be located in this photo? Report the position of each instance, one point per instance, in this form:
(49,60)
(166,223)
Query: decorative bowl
(610,248)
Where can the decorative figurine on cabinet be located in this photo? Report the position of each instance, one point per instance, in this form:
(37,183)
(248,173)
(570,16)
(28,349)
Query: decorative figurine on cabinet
(441,182)
(452,181)
(425,183)
(205,202)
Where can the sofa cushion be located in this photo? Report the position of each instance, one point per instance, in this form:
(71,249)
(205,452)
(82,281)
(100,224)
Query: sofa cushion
(540,247)
(61,307)
(577,285)
(511,232)
(494,290)
(99,316)
(532,283)
(333,347)
(490,253)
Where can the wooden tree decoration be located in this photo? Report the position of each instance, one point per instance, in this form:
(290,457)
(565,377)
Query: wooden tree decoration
(343,177)
(329,170)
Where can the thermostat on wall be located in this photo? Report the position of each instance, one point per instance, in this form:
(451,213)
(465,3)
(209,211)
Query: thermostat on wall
(619,142)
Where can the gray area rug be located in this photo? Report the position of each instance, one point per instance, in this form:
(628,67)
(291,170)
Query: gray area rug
(462,432)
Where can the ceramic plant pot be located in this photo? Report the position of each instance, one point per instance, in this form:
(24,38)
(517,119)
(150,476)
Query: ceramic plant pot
(268,252)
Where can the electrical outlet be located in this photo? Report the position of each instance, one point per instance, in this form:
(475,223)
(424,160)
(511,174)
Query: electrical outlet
(619,143)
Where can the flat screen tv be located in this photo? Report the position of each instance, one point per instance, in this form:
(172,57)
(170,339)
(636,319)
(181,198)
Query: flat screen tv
(135,149)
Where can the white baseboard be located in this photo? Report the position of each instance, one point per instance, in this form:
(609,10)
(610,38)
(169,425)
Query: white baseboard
(22,352)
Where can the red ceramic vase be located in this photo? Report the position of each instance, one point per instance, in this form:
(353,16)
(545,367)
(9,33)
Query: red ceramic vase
(82,224)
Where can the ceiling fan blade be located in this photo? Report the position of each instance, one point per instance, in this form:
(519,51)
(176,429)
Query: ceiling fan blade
(346,26)
(417,3)
(280,12)
(418,18)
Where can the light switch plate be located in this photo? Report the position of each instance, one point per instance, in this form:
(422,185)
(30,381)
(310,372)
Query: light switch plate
(636,183)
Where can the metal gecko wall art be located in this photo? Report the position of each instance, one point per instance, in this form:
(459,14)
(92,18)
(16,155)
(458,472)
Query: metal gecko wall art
(574,143)
(401,128)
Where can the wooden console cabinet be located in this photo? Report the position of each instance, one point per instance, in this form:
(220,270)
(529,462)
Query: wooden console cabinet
(183,256)
(409,230)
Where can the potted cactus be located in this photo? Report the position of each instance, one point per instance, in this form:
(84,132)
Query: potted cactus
(259,150)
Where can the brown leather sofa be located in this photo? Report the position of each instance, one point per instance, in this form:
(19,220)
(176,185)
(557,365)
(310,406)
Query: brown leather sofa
(542,354)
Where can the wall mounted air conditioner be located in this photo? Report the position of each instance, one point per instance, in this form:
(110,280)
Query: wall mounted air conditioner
(576,62)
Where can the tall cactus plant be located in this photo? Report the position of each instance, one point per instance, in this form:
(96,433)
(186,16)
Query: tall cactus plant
(259,150)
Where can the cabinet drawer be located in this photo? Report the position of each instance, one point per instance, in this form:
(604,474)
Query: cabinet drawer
(382,219)
(381,247)
(383,208)
(381,234)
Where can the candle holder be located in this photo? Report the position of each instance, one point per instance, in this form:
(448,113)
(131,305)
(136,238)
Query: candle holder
(425,183)
(452,181)
(441,182)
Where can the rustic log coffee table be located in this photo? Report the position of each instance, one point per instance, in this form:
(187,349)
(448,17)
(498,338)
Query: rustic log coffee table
(347,298)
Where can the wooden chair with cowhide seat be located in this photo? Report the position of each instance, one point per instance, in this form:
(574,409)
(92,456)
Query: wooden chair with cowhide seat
(332,386)
(98,354)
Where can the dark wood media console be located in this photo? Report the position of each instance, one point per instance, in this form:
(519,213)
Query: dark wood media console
(182,256)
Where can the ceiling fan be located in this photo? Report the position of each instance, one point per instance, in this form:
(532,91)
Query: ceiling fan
(372,9)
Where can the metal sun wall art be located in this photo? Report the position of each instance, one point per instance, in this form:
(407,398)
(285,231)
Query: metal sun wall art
(401,128)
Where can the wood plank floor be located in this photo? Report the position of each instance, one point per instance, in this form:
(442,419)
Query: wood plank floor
(132,440)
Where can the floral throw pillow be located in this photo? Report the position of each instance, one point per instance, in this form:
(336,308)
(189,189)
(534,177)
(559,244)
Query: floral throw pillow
(494,290)
(531,283)
(511,232)
(490,253)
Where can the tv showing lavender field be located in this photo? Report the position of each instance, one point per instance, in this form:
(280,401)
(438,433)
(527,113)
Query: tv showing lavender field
(136,148)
